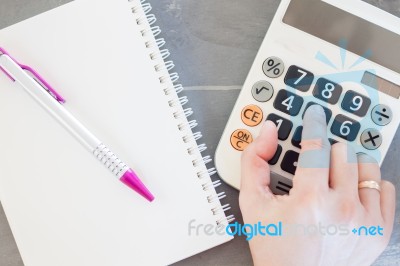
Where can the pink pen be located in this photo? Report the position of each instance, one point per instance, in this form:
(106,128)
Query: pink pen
(51,101)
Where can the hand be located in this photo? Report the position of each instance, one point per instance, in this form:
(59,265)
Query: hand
(325,194)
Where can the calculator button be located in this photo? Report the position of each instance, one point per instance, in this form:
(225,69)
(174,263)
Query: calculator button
(332,141)
(299,78)
(328,113)
(278,153)
(382,115)
(284,126)
(288,102)
(345,128)
(252,115)
(262,91)
(296,139)
(371,139)
(240,139)
(327,91)
(356,103)
(273,67)
(289,162)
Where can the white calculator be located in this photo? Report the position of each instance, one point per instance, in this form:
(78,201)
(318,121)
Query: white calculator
(340,54)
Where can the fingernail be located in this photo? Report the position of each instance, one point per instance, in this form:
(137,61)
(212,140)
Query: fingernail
(365,158)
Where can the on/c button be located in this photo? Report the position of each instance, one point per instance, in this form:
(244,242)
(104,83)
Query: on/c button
(252,115)
(240,139)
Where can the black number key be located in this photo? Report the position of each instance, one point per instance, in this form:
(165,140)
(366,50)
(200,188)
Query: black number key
(327,91)
(299,78)
(278,153)
(284,126)
(289,162)
(356,103)
(345,128)
(288,102)
(296,140)
(328,113)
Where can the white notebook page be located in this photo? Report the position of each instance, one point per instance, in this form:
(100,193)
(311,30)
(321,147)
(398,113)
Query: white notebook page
(63,206)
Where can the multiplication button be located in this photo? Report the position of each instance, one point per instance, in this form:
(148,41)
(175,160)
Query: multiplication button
(252,115)
(262,91)
(382,115)
(371,139)
(240,139)
(273,67)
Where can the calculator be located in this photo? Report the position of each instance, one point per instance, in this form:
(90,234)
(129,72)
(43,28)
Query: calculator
(340,54)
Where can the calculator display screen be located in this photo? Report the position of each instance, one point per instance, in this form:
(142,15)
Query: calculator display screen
(381,84)
(333,24)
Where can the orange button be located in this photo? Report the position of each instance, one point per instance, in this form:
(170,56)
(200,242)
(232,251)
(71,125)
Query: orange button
(252,115)
(240,139)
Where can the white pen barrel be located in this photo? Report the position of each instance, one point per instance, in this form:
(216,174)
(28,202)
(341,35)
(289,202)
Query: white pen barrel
(50,104)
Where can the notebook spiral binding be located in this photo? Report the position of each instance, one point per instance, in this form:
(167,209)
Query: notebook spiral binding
(146,21)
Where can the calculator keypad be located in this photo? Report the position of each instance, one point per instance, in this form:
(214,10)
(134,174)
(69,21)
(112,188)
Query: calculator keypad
(356,103)
(327,91)
(284,126)
(345,128)
(288,103)
(299,78)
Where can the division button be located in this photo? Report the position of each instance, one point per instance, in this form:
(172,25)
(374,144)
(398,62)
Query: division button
(240,139)
(262,91)
(382,115)
(371,139)
(273,67)
(252,115)
(289,162)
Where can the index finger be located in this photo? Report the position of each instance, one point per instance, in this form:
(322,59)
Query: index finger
(314,161)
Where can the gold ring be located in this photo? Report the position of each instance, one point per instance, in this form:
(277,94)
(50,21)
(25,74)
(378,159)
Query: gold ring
(369,184)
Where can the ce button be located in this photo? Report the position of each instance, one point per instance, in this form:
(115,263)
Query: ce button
(252,115)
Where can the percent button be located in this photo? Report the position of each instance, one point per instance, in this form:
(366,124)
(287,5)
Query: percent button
(273,67)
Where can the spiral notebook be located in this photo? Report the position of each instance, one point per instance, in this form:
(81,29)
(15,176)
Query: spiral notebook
(63,207)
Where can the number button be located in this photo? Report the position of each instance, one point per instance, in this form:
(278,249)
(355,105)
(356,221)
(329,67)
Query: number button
(356,103)
(288,102)
(371,139)
(345,128)
(284,126)
(296,140)
(328,113)
(278,153)
(240,139)
(262,91)
(289,162)
(299,78)
(273,67)
(252,115)
(327,91)
(382,115)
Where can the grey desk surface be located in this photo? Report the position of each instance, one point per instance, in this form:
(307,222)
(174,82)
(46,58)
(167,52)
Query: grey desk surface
(213,44)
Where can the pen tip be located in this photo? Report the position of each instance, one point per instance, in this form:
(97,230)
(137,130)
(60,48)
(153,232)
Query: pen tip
(132,180)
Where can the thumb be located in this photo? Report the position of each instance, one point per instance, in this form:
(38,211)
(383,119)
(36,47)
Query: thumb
(255,169)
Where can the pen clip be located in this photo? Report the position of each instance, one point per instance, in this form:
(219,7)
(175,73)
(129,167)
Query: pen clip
(36,76)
